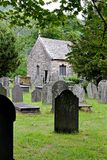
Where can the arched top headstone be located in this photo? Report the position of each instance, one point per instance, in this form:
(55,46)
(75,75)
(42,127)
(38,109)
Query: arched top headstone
(7,109)
(58,87)
(66,112)
(102,91)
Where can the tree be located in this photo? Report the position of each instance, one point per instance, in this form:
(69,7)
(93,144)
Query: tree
(70,29)
(89,54)
(9,58)
(22,12)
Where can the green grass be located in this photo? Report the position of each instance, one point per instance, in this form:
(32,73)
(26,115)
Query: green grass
(35,139)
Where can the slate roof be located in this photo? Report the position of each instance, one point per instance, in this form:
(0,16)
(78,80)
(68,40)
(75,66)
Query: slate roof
(56,49)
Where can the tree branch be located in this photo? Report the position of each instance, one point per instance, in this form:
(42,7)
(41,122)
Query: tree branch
(102,18)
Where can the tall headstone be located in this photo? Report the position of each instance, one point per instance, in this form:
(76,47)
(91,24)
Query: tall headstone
(17,94)
(3,90)
(66,112)
(36,94)
(102,91)
(57,88)
(7,117)
(92,91)
(47,93)
(79,92)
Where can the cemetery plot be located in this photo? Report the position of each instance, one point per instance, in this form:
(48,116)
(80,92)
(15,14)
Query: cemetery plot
(27,108)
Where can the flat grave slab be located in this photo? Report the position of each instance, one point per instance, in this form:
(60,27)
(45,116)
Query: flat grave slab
(24,88)
(85,107)
(27,108)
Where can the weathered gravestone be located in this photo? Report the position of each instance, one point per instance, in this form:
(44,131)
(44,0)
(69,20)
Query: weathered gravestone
(66,112)
(79,92)
(17,80)
(57,88)
(92,91)
(36,94)
(5,83)
(17,94)
(102,91)
(7,117)
(3,90)
(47,93)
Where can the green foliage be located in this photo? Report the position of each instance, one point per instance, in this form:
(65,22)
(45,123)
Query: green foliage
(22,68)
(69,30)
(9,58)
(26,38)
(89,55)
(73,79)
(23,12)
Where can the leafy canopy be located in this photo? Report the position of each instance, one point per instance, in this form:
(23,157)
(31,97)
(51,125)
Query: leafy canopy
(22,12)
(9,59)
(89,54)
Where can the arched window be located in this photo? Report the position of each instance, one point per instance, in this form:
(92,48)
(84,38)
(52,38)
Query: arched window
(38,70)
(62,70)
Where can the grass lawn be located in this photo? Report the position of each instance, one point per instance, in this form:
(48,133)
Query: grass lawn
(34,137)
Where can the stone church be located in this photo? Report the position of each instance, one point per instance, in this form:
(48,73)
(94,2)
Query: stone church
(47,61)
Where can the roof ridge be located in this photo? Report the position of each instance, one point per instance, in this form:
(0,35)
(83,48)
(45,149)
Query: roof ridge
(54,39)
(47,51)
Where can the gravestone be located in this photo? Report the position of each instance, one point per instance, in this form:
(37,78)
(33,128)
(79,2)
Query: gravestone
(24,88)
(79,92)
(102,91)
(47,93)
(3,90)
(57,88)
(92,91)
(17,80)
(27,108)
(7,117)
(17,94)
(5,83)
(66,112)
(36,94)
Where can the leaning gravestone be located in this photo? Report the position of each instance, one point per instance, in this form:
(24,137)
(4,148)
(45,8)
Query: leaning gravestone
(36,94)
(102,91)
(3,90)
(7,117)
(57,88)
(79,92)
(17,94)
(92,91)
(66,112)
(47,93)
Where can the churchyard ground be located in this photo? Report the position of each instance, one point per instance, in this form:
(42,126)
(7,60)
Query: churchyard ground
(35,139)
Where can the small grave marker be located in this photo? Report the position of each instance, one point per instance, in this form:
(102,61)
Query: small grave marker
(17,94)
